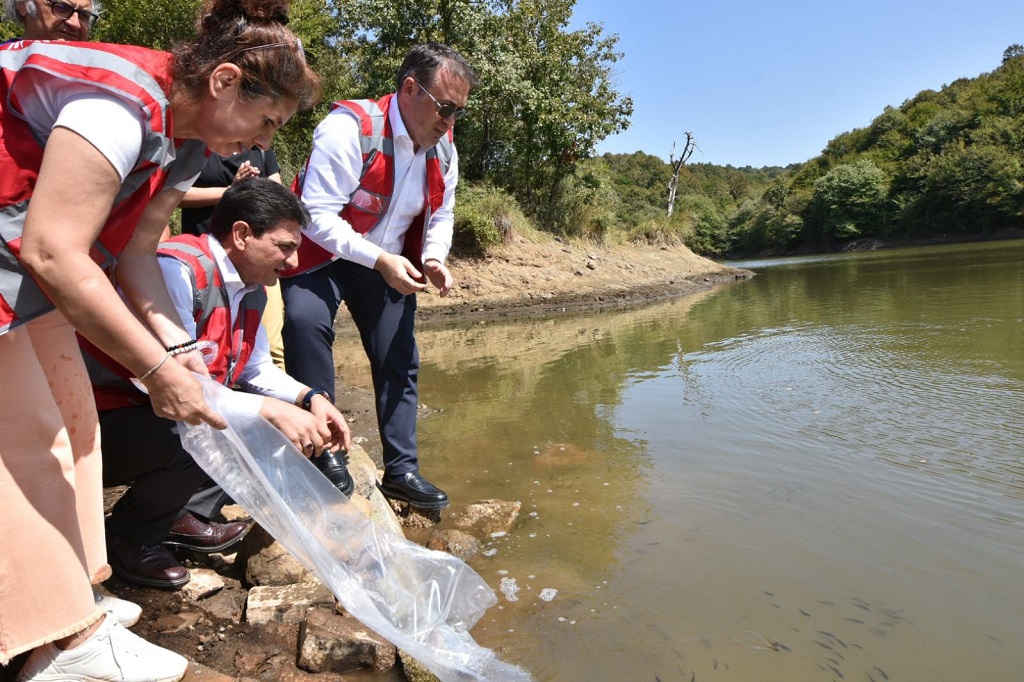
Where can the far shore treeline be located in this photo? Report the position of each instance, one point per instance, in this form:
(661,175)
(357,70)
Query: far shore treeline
(944,164)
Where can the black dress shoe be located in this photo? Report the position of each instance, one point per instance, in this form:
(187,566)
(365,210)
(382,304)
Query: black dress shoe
(332,465)
(150,565)
(191,532)
(414,489)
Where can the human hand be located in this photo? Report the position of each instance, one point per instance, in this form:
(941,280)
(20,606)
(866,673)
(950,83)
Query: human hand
(175,394)
(324,410)
(246,170)
(399,273)
(305,430)
(439,276)
(193,360)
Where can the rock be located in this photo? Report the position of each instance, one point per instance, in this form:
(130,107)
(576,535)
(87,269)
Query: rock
(267,562)
(234,512)
(413,517)
(176,622)
(226,605)
(455,542)
(285,604)
(559,455)
(489,516)
(363,470)
(204,583)
(414,670)
(329,642)
(200,673)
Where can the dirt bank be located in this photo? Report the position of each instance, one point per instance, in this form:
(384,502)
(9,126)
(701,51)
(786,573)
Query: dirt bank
(544,275)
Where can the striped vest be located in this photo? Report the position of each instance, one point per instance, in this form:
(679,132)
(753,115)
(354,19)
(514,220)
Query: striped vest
(369,202)
(226,348)
(140,77)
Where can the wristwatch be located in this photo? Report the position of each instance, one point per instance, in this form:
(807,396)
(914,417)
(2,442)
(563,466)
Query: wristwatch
(307,400)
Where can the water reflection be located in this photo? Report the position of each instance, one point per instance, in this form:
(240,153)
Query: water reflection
(812,475)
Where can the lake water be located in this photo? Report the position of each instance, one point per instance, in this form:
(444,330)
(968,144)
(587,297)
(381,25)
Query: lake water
(815,474)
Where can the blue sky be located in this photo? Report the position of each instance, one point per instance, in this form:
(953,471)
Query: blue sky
(770,83)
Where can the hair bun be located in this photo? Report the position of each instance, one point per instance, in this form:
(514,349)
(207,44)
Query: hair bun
(266,10)
(217,12)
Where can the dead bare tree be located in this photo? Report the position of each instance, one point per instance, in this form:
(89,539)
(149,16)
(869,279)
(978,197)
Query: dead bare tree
(677,165)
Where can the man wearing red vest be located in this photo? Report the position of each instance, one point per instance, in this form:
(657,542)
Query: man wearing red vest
(380,187)
(217,283)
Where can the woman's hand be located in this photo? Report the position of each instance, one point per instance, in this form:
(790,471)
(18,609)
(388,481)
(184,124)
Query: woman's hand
(176,394)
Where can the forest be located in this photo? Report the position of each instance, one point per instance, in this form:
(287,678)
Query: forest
(944,163)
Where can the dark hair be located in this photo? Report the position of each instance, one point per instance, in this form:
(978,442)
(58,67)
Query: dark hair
(261,202)
(252,35)
(424,61)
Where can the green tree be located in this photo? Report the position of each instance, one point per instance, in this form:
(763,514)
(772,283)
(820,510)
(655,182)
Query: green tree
(850,201)
(546,96)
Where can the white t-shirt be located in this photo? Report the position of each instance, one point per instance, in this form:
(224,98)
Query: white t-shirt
(107,122)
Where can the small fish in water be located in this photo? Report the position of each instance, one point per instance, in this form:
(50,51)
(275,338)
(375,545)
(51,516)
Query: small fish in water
(836,671)
(881,672)
(804,612)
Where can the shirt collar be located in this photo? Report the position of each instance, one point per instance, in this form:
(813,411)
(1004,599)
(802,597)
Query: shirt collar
(232,280)
(398,128)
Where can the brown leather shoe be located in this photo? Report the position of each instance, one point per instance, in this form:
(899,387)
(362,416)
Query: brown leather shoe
(191,532)
(150,565)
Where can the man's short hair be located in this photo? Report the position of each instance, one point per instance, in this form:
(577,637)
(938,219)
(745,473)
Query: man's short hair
(424,61)
(260,202)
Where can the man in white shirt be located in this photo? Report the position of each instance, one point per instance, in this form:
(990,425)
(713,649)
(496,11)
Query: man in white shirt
(217,284)
(380,187)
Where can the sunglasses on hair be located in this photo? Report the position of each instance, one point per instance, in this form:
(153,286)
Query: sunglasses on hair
(443,110)
(63,10)
(288,43)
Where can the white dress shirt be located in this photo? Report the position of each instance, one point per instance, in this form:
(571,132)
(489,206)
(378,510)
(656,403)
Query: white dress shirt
(333,175)
(260,374)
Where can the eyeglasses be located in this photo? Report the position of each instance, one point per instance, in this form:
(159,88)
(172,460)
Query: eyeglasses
(63,10)
(443,110)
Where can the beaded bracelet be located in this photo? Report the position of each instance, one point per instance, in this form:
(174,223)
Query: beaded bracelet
(155,367)
(185,347)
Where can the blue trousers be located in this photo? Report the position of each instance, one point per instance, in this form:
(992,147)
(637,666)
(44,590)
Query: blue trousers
(385,320)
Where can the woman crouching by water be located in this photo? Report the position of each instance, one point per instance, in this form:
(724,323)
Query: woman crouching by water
(98,143)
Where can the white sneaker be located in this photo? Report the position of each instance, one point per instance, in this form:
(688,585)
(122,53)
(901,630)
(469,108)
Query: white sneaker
(111,654)
(126,612)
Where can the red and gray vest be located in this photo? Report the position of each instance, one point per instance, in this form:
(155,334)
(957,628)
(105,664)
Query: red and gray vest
(225,347)
(137,75)
(370,201)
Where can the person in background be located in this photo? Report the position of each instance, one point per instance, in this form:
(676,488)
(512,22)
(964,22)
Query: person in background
(380,231)
(217,175)
(197,207)
(90,172)
(217,282)
(53,19)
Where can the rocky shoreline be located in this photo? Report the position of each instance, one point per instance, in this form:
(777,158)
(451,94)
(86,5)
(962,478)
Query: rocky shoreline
(258,614)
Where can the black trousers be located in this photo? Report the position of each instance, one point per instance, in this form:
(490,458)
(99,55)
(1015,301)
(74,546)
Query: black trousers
(385,320)
(143,451)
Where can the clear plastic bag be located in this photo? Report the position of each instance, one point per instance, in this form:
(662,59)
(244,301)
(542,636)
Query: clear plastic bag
(422,601)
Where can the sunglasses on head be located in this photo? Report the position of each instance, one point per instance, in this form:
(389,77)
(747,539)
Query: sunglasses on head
(63,10)
(287,43)
(443,110)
